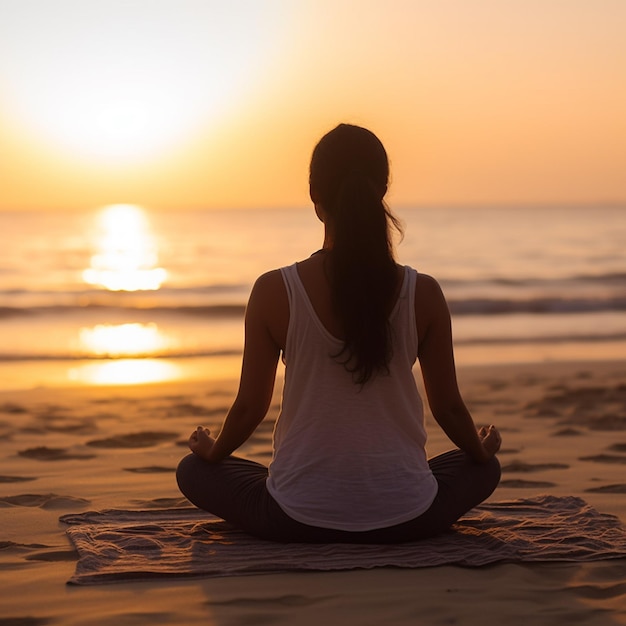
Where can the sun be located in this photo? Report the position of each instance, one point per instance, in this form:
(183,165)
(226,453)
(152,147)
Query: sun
(119,81)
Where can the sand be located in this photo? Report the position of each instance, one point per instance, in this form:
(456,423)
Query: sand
(84,448)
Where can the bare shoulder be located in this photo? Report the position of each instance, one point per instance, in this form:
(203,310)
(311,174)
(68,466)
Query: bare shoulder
(269,281)
(268,307)
(430,304)
(268,290)
(427,287)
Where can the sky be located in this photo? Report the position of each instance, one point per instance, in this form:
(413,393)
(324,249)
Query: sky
(189,104)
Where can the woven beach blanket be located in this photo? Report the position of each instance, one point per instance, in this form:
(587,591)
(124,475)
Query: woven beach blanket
(123,545)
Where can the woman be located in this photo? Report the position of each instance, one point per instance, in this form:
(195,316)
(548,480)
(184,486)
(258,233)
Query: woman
(349,461)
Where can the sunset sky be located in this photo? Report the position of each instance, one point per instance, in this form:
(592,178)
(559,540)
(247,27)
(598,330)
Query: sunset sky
(211,104)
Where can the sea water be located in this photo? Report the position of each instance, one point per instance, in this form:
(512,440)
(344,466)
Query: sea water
(126,285)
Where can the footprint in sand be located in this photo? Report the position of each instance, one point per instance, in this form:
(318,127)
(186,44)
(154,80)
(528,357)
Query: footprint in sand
(604,458)
(26,621)
(608,422)
(12,409)
(526,484)
(521,467)
(619,458)
(567,432)
(580,407)
(152,469)
(619,488)
(72,428)
(43,453)
(133,440)
(16,479)
(43,501)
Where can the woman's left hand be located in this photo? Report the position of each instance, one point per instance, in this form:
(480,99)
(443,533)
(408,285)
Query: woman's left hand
(491,439)
(201,442)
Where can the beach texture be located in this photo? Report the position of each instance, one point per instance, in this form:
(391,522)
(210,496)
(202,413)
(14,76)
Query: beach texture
(68,451)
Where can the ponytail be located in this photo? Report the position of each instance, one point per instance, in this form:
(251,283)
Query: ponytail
(349,174)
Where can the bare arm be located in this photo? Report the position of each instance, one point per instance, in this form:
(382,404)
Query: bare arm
(265,317)
(436,357)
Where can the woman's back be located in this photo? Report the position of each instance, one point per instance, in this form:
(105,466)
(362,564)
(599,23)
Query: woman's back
(332,433)
(313,273)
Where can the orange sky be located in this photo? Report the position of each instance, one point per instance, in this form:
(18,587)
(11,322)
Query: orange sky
(192,104)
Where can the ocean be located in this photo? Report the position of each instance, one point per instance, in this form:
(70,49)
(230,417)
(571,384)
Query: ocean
(123,294)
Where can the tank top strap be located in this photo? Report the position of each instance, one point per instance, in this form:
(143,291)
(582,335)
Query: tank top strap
(290,279)
(403,313)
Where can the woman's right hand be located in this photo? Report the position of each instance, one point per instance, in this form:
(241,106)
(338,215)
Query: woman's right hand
(491,439)
(201,442)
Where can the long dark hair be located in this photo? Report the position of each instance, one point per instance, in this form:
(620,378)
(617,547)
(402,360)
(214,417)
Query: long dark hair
(348,178)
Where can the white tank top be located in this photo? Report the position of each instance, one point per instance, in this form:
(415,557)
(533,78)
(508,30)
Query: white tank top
(345,456)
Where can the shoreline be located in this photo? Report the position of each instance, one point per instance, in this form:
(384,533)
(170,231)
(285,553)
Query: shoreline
(72,449)
(67,373)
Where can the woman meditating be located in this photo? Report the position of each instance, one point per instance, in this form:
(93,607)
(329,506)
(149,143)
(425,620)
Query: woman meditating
(349,461)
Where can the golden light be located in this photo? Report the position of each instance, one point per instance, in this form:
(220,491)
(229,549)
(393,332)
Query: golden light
(125,372)
(126,258)
(117,340)
(121,82)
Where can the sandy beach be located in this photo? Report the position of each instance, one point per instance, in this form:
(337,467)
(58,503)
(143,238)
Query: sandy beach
(73,449)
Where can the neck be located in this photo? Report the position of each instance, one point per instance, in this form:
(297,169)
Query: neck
(326,246)
(328,239)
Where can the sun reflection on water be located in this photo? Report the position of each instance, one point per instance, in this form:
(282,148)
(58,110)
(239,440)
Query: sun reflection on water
(126,372)
(126,257)
(119,340)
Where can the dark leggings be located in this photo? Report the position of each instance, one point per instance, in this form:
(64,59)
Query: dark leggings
(235,491)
